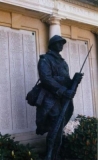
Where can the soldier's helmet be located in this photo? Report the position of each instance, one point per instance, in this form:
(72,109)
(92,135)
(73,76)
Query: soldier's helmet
(56,38)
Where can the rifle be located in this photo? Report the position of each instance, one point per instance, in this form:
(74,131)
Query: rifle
(61,116)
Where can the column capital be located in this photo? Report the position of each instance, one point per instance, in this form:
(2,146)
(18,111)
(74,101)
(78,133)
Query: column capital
(54,20)
(51,19)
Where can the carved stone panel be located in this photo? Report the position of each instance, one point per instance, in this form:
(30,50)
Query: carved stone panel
(75,67)
(74,53)
(17,80)
(30,64)
(5,99)
(86,82)
(65,52)
(18,74)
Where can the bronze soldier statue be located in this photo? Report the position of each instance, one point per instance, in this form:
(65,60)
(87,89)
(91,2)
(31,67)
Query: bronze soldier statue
(55,79)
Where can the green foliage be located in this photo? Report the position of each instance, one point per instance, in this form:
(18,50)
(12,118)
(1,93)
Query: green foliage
(82,144)
(12,150)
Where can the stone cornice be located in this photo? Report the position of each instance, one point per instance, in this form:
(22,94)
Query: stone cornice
(77,13)
(45,6)
(86,5)
(64,9)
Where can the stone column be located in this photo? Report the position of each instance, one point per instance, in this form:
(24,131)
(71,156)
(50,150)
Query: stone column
(55,28)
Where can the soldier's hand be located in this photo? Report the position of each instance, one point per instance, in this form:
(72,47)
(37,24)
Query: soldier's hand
(78,77)
(69,94)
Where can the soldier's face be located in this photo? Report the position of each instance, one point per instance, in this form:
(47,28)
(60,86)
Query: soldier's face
(58,46)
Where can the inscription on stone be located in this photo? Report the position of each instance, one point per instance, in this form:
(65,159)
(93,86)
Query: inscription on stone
(5,99)
(65,52)
(80,11)
(17,80)
(86,83)
(48,3)
(74,53)
(18,74)
(30,64)
(75,67)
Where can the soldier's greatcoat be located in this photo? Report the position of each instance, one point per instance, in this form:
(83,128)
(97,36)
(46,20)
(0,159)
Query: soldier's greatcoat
(54,76)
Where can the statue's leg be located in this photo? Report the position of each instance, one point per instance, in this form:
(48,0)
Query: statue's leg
(54,114)
(58,143)
(49,141)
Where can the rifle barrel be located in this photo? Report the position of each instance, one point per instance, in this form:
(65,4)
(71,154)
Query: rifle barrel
(86,59)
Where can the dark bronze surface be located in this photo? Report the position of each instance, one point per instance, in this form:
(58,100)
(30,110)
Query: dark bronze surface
(55,79)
